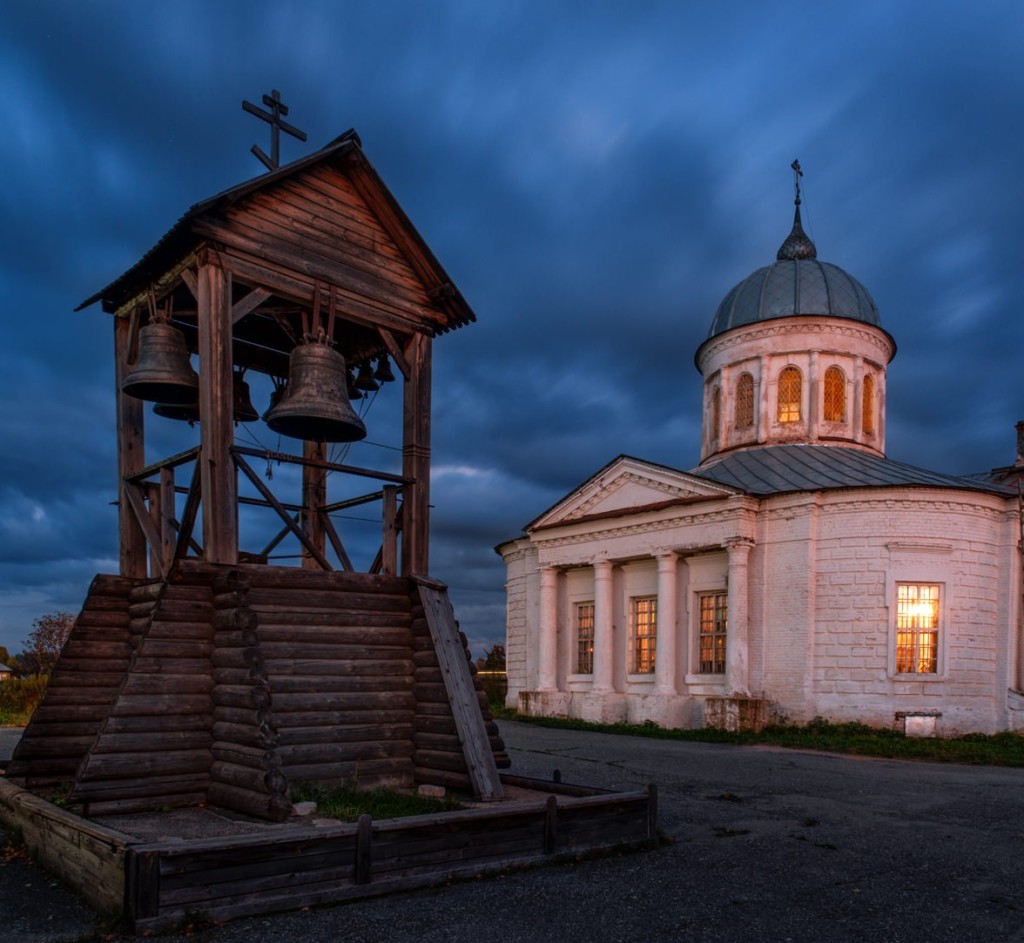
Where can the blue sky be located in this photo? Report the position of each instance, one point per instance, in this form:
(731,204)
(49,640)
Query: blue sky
(594,176)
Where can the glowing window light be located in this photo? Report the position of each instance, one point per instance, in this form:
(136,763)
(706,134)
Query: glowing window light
(917,628)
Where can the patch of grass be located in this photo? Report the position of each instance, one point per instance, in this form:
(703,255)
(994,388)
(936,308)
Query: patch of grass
(346,803)
(1001,749)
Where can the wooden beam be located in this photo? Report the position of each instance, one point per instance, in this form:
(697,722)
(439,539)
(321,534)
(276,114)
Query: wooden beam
(339,547)
(130,494)
(188,514)
(249,303)
(395,350)
(389,538)
(131,456)
(314,497)
(299,533)
(458,682)
(416,458)
(219,480)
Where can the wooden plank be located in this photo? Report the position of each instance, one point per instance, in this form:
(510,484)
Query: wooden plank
(130,494)
(363,870)
(451,655)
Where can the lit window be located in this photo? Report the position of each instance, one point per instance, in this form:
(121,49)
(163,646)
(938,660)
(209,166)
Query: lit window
(869,406)
(789,395)
(714,616)
(745,401)
(835,395)
(917,628)
(644,619)
(585,638)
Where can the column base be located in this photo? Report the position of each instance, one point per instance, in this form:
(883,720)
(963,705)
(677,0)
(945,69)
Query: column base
(665,710)
(544,703)
(600,708)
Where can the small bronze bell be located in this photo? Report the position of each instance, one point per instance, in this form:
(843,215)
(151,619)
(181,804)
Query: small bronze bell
(241,405)
(162,372)
(350,383)
(365,380)
(317,405)
(383,372)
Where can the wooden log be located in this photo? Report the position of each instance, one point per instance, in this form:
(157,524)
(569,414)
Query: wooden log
(150,724)
(330,651)
(244,638)
(243,677)
(445,743)
(270,780)
(247,717)
(144,703)
(132,806)
(351,733)
(241,755)
(285,720)
(166,684)
(231,581)
(237,619)
(146,592)
(145,663)
(131,765)
(303,700)
(356,751)
(236,658)
(377,668)
(386,634)
(180,631)
(263,579)
(156,647)
(261,598)
(425,657)
(231,600)
(437,759)
(393,771)
(329,685)
(261,805)
(149,741)
(255,696)
(262,735)
(442,777)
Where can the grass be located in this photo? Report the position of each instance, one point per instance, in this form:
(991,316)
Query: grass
(347,803)
(1001,749)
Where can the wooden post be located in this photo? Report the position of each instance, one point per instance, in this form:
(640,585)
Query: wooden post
(168,537)
(131,456)
(314,497)
(389,541)
(218,476)
(416,458)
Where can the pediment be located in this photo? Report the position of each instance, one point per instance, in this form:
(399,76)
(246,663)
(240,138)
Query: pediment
(627,485)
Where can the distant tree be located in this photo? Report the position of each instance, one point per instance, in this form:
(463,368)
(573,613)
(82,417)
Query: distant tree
(5,657)
(47,638)
(494,658)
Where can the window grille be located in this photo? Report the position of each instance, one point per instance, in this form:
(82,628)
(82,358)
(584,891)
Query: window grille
(835,395)
(644,612)
(789,395)
(869,406)
(745,401)
(714,617)
(917,628)
(585,638)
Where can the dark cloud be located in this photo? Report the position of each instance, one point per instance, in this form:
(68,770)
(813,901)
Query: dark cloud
(593,176)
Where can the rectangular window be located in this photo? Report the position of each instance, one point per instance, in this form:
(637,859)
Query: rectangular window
(917,628)
(585,638)
(644,620)
(714,617)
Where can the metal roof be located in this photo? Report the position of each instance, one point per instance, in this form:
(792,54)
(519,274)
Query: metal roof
(782,469)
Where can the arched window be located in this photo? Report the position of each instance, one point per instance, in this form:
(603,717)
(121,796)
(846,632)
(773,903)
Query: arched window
(835,395)
(788,408)
(868,410)
(716,411)
(744,401)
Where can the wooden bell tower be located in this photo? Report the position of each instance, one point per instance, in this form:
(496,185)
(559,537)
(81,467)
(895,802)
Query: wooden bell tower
(225,677)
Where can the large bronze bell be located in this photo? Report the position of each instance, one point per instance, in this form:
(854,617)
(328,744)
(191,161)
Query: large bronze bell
(242,408)
(316,405)
(162,372)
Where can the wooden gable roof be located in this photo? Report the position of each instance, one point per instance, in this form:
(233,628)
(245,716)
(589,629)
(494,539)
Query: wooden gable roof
(324,222)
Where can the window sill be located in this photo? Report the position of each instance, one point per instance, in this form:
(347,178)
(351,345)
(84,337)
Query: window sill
(912,677)
(645,677)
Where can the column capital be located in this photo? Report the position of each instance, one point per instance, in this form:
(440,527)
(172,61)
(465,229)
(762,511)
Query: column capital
(739,544)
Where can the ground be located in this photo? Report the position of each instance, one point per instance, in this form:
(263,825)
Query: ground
(764,845)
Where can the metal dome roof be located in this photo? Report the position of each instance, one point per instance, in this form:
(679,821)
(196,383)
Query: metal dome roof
(795,284)
(795,287)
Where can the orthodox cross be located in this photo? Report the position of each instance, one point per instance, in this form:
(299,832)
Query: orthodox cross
(273,118)
(795,166)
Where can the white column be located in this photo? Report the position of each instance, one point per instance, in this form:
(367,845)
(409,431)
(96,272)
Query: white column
(737,630)
(665,658)
(603,644)
(548,649)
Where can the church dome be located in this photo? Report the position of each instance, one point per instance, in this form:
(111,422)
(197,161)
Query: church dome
(795,284)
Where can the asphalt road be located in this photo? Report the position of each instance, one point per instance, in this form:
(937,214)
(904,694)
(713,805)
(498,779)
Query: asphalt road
(765,845)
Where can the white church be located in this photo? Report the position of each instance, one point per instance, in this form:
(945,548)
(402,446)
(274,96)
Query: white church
(796,572)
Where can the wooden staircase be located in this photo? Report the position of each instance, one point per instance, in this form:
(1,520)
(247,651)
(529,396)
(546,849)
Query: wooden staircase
(82,688)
